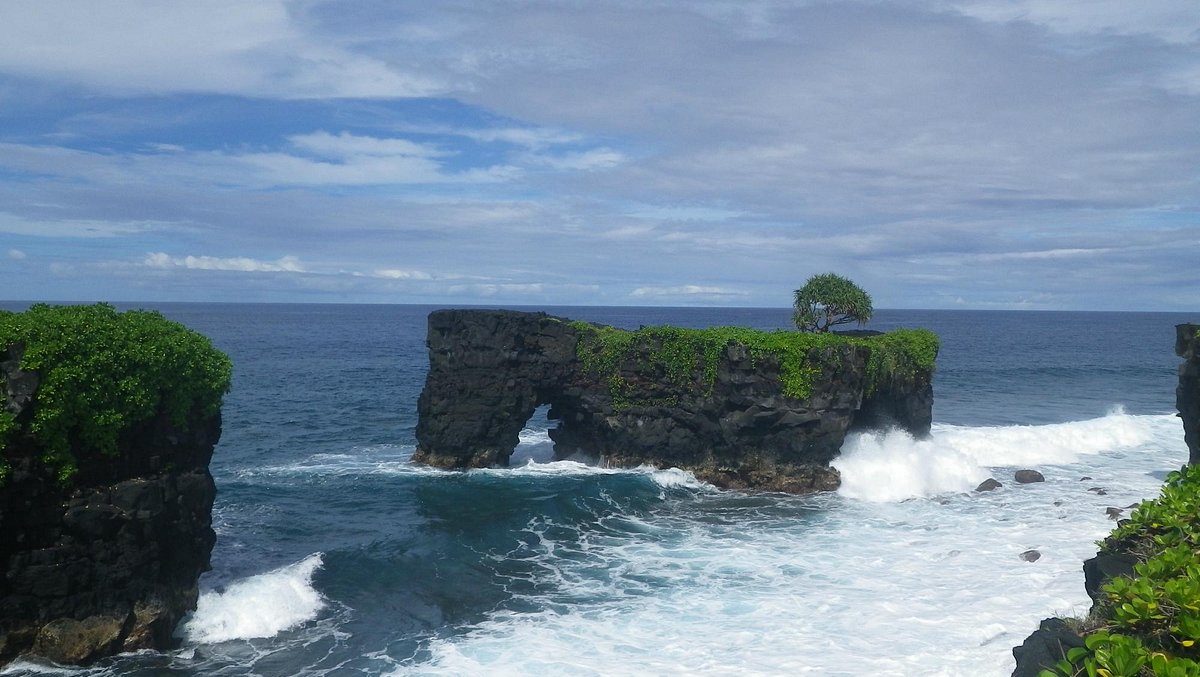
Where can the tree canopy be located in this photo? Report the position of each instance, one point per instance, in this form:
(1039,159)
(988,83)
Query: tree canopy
(828,299)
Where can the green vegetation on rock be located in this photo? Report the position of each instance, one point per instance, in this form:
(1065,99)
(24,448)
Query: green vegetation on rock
(101,372)
(689,357)
(1149,624)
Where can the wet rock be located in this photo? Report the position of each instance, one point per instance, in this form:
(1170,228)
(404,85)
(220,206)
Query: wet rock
(1031,555)
(1099,491)
(1028,476)
(1045,647)
(990,484)
(1084,478)
(1113,513)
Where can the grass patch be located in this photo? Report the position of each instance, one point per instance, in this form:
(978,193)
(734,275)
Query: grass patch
(689,357)
(101,372)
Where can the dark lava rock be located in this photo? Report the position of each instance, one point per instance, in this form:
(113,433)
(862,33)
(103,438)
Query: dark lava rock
(1113,513)
(1028,476)
(1031,555)
(1099,491)
(111,563)
(1045,647)
(990,484)
(1187,393)
(490,369)
(1105,566)
(1084,478)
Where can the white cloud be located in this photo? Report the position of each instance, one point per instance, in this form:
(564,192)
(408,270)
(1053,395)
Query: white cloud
(254,49)
(16,254)
(401,274)
(345,145)
(288,264)
(685,290)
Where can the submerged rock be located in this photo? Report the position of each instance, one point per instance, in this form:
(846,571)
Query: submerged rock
(1028,476)
(1031,555)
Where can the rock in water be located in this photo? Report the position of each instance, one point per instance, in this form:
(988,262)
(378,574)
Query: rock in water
(1028,476)
(693,399)
(989,484)
(1031,555)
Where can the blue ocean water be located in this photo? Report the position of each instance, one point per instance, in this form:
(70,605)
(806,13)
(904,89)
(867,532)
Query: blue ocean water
(336,556)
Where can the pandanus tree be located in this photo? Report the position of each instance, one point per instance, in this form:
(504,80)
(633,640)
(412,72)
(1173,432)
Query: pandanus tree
(827,300)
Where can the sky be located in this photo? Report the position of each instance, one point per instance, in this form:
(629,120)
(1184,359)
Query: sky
(979,154)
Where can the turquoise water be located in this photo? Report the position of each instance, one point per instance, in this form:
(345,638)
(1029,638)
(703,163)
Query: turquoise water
(335,555)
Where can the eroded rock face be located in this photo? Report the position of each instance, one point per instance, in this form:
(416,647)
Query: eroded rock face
(1187,394)
(489,370)
(110,563)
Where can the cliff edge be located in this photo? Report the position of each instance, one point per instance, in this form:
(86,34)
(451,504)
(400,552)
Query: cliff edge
(108,422)
(737,407)
(1187,394)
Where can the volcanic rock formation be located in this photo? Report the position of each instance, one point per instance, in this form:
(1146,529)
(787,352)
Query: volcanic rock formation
(109,560)
(664,397)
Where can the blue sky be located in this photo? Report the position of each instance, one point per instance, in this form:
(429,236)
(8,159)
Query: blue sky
(1036,154)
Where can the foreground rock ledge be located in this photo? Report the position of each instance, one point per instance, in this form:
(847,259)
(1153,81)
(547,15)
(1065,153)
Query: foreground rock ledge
(731,422)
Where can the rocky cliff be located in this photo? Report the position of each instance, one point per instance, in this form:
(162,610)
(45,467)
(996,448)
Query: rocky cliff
(738,408)
(1187,394)
(105,494)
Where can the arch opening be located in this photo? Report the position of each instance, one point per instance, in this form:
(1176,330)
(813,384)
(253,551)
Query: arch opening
(535,444)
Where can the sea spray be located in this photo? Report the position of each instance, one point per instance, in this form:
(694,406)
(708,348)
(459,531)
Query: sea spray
(891,466)
(258,606)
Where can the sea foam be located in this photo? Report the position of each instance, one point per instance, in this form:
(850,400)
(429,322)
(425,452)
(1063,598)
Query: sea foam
(894,466)
(258,606)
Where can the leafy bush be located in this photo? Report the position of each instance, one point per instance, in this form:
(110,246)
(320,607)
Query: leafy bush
(102,371)
(828,299)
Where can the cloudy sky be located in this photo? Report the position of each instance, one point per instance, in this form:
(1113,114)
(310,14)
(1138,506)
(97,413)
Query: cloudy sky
(1040,154)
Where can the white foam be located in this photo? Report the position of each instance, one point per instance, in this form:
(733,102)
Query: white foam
(730,584)
(258,606)
(893,466)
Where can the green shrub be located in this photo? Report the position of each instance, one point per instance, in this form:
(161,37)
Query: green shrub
(102,371)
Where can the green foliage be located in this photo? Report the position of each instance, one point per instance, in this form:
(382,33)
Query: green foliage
(689,357)
(1149,624)
(828,299)
(102,371)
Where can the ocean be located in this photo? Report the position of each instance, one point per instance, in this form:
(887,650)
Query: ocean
(336,556)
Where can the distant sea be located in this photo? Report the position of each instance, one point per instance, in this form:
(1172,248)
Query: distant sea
(336,556)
